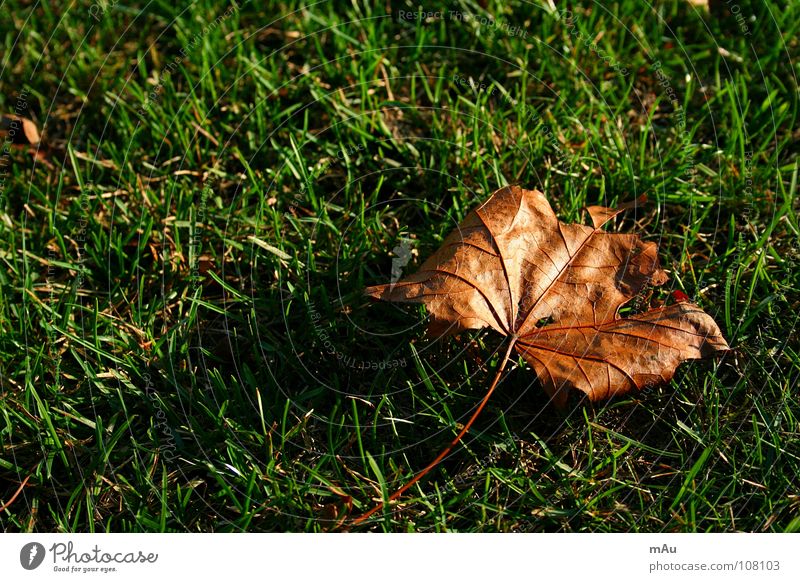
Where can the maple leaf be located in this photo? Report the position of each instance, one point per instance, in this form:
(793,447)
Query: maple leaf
(511,264)
(555,290)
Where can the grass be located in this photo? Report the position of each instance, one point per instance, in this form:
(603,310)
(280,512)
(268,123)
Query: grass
(184,344)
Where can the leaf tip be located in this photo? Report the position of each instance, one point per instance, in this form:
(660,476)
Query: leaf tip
(376,291)
(599,215)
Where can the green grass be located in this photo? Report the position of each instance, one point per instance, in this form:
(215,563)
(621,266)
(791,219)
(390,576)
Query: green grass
(182,326)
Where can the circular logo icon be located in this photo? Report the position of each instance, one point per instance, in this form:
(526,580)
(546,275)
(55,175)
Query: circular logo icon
(31,555)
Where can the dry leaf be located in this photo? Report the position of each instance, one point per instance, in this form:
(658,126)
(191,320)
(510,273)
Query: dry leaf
(18,130)
(556,290)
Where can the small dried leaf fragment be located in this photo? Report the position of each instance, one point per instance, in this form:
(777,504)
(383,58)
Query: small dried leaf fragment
(18,130)
(511,264)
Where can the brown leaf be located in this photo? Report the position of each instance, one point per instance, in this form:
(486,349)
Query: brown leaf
(18,130)
(556,289)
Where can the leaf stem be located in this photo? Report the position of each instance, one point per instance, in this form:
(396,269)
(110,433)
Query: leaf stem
(363,517)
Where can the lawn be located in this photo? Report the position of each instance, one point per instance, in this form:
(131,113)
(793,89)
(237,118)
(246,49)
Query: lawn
(184,340)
